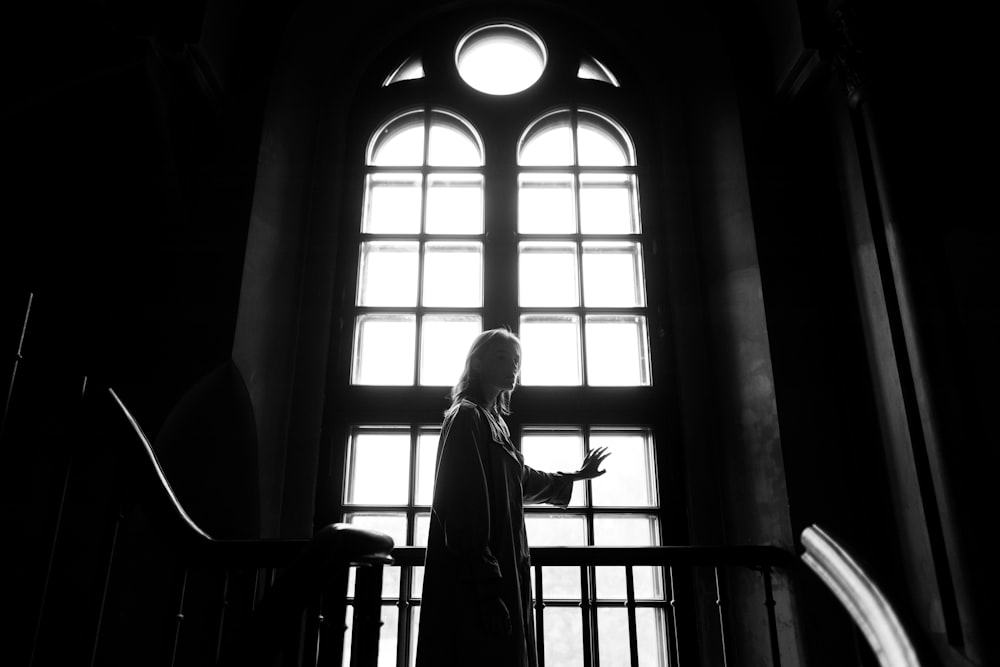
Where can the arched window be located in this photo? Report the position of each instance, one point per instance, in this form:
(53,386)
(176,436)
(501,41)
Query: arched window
(485,203)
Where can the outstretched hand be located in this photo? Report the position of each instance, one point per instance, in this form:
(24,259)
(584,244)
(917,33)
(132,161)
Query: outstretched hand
(592,464)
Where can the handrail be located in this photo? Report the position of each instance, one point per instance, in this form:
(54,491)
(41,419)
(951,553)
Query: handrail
(861,597)
(744,555)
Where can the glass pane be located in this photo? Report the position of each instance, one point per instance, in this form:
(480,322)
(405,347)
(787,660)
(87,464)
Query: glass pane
(388,634)
(379,472)
(617,351)
(427,444)
(549,142)
(444,342)
(393,204)
(651,633)
(602,143)
(384,349)
(547,274)
(545,204)
(393,525)
(452,143)
(592,68)
(455,204)
(557,530)
(500,59)
(550,350)
(613,637)
(631,480)
(388,274)
(400,143)
(627,530)
(612,275)
(563,636)
(411,68)
(555,451)
(453,274)
(414,633)
(608,204)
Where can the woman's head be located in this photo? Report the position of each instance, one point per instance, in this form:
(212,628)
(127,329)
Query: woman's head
(491,368)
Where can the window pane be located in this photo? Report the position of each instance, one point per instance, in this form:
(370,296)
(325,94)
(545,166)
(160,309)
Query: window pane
(550,350)
(388,633)
(384,348)
(632,482)
(393,525)
(612,275)
(400,143)
(444,342)
(602,143)
(427,444)
(393,204)
(545,204)
(557,530)
(608,204)
(421,527)
(388,274)
(617,351)
(627,530)
(379,472)
(547,274)
(613,636)
(548,143)
(452,143)
(555,451)
(455,204)
(453,274)
(563,636)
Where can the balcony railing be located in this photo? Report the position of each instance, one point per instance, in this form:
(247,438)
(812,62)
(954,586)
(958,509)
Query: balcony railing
(607,606)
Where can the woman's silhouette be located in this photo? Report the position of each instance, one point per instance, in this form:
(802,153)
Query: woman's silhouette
(476,601)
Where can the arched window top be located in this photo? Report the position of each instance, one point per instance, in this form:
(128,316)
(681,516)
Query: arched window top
(587,138)
(434,138)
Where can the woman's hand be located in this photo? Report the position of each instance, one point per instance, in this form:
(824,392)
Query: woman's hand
(592,463)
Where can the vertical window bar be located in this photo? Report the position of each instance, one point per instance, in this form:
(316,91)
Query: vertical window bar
(633,638)
(575,129)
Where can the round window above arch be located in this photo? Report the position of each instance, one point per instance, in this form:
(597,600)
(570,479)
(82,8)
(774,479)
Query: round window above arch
(501,58)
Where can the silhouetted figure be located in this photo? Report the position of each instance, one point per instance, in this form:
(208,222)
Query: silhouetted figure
(476,601)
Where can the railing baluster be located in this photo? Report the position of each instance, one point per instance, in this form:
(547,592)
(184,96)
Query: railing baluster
(633,634)
(586,593)
(179,617)
(367,616)
(722,617)
(539,617)
(119,517)
(223,607)
(772,623)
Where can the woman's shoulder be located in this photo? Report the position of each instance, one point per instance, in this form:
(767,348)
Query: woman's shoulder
(464,409)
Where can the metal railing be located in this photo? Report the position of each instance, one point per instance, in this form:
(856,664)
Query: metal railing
(674,605)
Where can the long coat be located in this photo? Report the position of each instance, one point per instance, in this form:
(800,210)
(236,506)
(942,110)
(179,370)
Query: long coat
(477,543)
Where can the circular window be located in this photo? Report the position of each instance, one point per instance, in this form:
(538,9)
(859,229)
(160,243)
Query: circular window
(500,59)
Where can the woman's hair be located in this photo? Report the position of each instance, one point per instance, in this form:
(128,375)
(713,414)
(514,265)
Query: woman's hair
(468,385)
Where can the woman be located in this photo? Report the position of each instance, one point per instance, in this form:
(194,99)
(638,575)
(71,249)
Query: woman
(476,602)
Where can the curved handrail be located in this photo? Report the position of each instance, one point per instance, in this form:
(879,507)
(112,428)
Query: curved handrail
(861,597)
(335,541)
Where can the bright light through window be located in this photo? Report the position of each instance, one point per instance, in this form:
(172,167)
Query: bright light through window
(500,59)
